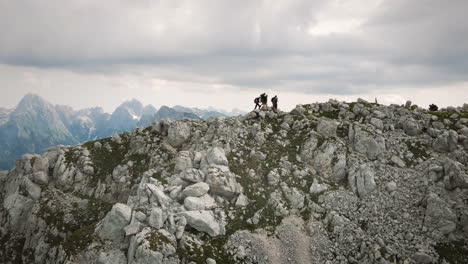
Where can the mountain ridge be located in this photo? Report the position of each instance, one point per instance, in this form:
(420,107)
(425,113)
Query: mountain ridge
(331,182)
(35,124)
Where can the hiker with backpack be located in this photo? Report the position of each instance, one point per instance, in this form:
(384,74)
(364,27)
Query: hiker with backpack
(274,101)
(264,99)
(257,102)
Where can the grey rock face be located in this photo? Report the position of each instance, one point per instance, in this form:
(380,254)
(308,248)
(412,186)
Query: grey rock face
(196,190)
(316,187)
(446,142)
(377,123)
(327,128)
(422,258)
(112,257)
(439,219)
(455,177)
(223,183)
(178,133)
(370,194)
(398,161)
(204,202)
(361,180)
(365,143)
(216,156)
(411,127)
(193,175)
(183,162)
(157,218)
(204,221)
(112,227)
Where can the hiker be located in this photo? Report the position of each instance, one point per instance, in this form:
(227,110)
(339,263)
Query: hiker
(264,99)
(274,101)
(257,102)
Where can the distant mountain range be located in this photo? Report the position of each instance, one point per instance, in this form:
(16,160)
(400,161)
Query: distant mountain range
(35,124)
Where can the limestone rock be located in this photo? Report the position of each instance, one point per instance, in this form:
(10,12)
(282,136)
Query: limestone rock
(455,177)
(361,180)
(223,183)
(327,128)
(112,226)
(196,190)
(157,218)
(216,156)
(183,162)
(178,133)
(157,195)
(112,257)
(40,178)
(411,127)
(391,186)
(446,142)
(317,188)
(422,258)
(204,221)
(193,175)
(399,162)
(204,202)
(439,219)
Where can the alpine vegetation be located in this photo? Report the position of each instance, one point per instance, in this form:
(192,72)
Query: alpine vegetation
(330,182)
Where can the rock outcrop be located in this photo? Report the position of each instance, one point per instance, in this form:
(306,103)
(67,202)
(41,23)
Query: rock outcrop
(330,182)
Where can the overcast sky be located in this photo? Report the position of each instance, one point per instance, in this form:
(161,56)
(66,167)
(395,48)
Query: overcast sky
(223,53)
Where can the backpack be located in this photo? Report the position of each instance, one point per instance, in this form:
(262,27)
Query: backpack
(256,100)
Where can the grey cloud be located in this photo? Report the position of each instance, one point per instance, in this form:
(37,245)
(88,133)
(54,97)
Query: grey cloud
(246,44)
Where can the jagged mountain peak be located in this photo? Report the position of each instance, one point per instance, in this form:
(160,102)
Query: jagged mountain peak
(32,101)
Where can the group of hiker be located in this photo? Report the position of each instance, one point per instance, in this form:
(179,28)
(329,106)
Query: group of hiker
(263,98)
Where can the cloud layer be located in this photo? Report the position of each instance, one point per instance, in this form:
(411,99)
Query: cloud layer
(340,48)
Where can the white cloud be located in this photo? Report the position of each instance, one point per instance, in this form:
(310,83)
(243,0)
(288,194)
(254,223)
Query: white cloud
(103,52)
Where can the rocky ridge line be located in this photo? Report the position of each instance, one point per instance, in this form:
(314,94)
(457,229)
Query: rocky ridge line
(328,182)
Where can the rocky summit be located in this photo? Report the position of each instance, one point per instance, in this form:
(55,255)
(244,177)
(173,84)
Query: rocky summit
(330,182)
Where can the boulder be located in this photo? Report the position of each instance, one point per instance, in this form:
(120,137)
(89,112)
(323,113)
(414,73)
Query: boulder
(391,186)
(204,221)
(157,195)
(422,258)
(454,177)
(40,178)
(298,110)
(196,190)
(204,202)
(327,128)
(439,218)
(210,261)
(192,175)
(223,183)
(361,180)
(183,162)
(216,156)
(377,123)
(242,200)
(446,142)
(399,162)
(157,218)
(113,224)
(273,177)
(33,189)
(293,196)
(112,257)
(317,188)
(366,143)
(178,133)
